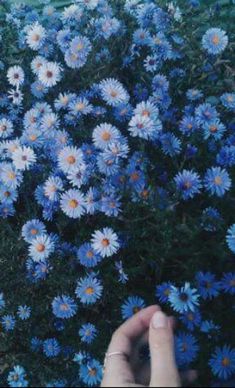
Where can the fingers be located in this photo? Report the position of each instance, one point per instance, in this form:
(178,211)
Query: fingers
(161,340)
(117,370)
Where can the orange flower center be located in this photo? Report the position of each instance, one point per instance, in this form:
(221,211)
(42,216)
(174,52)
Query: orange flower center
(218,180)
(90,291)
(216,39)
(106,136)
(41,248)
(105,242)
(71,159)
(226,361)
(73,203)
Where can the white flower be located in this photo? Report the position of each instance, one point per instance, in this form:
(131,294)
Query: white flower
(35,37)
(113,93)
(16,96)
(73,203)
(6,128)
(52,187)
(37,64)
(23,158)
(49,74)
(104,135)
(15,76)
(70,158)
(41,248)
(105,242)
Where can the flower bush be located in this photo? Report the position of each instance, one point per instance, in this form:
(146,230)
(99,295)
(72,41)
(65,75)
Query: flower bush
(117,147)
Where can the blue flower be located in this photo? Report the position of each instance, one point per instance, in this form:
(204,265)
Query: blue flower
(215,41)
(17,378)
(205,114)
(188,184)
(186,349)
(228,100)
(191,320)
(88,333)
(132,306)
(217,181)
(89,290)
(24,312)
(163,292)
(222,362)
(214,129)
(170,144)
(87,256)
(184,299)
(64,307)
(8,322)
(51,348)
(228,283)
(194,94)
(207,285)
(91,373)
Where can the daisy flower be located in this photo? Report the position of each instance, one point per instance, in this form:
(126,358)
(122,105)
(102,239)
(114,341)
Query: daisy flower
(70,158)
(49,74)
(41,247)
(183,299)
(113,92)
(80,45)
(35,37)
(73,203)
(89,290)
(16,96)
(88,333)
(91,373)
(15,76)
(52,188)
(23,158)
(87,256)
(186,349)
(6,128)
(188,184)
(105,134)
(10,176)
(64,307)
(217,181)
(131,306)
(51,348)
(144,127)
(215,41)
(228,100)
(105,242)
(80,106)
(33,229)
(24,312)
(17,377)
(222,362)
(37,63)
(78,176)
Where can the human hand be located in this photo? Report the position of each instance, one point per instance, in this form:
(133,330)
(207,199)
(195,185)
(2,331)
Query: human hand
(123,367)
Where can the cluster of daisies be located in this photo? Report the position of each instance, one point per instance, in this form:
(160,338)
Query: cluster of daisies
(92,120)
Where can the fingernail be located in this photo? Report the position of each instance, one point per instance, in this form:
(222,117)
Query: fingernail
(159,320)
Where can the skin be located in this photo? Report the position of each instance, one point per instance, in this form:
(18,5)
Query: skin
(151,326)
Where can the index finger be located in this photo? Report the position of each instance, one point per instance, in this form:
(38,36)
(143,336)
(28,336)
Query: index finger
(117,369)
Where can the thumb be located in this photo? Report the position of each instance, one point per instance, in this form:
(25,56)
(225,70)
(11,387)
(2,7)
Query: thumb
(163,366)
